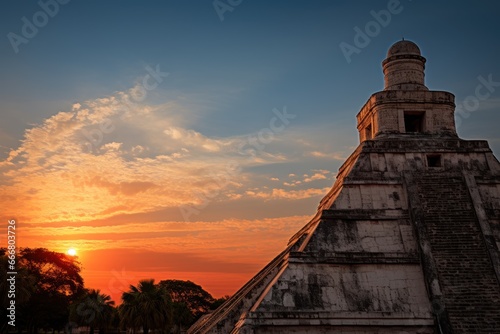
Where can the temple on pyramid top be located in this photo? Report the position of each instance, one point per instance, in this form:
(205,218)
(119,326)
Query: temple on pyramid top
(406,106)
(406,241)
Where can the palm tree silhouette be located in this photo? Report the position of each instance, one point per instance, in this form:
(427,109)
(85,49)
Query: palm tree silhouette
(94,309)
(146,305)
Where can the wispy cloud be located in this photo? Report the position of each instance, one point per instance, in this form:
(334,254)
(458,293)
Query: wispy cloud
(109,177)
(318,175)
(279,193)
(109,156)
(326,155)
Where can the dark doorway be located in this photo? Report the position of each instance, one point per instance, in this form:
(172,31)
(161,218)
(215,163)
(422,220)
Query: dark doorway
(434,160)
(414,122)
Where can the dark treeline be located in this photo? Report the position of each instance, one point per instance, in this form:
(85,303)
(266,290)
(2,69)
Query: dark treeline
(50,296)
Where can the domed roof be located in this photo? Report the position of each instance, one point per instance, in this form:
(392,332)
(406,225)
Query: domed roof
(403,47)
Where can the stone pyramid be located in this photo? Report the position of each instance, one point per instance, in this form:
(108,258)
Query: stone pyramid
(406,241)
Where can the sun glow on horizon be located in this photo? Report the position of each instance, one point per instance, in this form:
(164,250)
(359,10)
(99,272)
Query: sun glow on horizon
(71,252)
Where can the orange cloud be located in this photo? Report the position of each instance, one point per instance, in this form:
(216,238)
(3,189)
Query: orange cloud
(326,155)
(109,178)
(278,193)
(316,176)
(95,160)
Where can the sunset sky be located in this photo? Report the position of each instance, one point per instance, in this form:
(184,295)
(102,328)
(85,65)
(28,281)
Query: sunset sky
(182,140)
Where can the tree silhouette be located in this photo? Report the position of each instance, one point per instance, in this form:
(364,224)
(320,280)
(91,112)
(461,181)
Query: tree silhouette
(190,301)
(191,294)
(50,291)
(53,271)
(93,309)
(146,305)
(48,283)
(183,317)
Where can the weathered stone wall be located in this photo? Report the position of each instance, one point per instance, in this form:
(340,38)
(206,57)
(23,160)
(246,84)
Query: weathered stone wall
(400,72)
(348,290)
(370,196)
(363,236)
(384,113)
(387,117)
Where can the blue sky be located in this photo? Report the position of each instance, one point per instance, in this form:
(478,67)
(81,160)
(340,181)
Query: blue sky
(227,79)
(263,55)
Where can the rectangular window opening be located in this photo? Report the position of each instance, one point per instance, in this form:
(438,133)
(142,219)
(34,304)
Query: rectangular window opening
(414,122)
(434,160)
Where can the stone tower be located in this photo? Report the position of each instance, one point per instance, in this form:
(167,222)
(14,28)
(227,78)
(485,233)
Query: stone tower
(406,241)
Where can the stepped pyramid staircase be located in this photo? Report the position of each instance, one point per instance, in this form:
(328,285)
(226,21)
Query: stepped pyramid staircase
(446,219)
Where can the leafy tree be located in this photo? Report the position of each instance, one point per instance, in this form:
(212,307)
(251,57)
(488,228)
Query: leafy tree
(146,305)
(183,317)
(192,295)
(93,309)
(190,301)
(58,283)
(53,271)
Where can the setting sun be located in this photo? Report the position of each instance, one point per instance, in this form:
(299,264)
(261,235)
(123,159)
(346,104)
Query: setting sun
(71,252)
